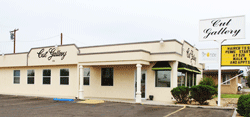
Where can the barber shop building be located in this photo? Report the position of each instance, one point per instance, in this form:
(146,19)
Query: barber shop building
(118,71)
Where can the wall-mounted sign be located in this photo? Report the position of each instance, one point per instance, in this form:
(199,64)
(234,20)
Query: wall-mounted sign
(222,28)
(235,55)
(191,56)
(208,55)
(52,52)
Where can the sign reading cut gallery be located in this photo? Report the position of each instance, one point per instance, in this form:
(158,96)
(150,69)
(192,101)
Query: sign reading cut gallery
(235,55)
(222,28)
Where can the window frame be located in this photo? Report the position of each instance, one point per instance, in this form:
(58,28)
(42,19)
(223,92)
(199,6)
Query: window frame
(86,76)
(64,77)
(156,79)
(102,78)
(47,77)
(30,76)
(227,78)
(16,76)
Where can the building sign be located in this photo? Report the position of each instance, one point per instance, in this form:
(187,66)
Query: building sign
(222,28)
(191,56)
(208,55)
(52,52)
(235,55)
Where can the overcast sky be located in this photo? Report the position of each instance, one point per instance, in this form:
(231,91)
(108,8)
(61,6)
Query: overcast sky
(99,22)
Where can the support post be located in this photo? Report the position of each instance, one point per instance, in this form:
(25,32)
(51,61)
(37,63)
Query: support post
(61,38)
(138,92)
(219,71)
(186,79)
(81,83)
(193,80)
(175,74)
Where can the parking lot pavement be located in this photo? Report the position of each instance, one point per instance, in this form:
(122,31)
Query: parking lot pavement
(39,107)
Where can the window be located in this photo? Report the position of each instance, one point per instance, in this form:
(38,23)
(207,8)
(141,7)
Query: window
(181,79)
(189,79)
(16,76)
(46,76)
(226,77)
(86,76)
(162,78)
(107,77)
(30,76)
(64,76)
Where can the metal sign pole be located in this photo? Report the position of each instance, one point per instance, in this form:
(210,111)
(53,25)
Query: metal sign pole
(219,71)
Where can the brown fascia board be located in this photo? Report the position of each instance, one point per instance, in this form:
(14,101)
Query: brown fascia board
(134,43)
(216,71)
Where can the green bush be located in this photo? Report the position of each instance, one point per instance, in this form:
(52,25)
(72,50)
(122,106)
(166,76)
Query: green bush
(207,81)
(181,94)
(243,104)
(247,108)
(202,93)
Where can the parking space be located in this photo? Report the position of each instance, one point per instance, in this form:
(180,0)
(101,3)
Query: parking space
(30,106)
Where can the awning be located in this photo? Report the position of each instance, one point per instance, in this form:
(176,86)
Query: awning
(162,65)
(188,68)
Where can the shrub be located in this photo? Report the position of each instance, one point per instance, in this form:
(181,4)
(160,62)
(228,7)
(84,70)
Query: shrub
(243,102)
(181,94)
(247,108)
(207,81)
(202,93)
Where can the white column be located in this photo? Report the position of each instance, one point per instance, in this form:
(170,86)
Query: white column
(175,74)
(193,80)
(186,79)
(81,83)
(138,92)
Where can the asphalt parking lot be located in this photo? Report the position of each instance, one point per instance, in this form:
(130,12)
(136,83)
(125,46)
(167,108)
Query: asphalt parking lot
(43,107)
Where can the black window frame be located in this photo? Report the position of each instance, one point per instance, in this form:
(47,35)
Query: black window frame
(46,77)
(109,79)
(30,77)
(64,78)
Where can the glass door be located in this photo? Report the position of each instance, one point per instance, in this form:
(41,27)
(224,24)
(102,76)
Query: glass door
(143,83)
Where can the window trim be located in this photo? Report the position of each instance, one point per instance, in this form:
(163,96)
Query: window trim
(30,76)
(16,76)
(227,83)
(156,79)
(86,76)
(47,77)
(112,76)
(64,76)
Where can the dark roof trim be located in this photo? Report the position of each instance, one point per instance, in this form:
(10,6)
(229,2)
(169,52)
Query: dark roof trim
(114,52)
(158,41)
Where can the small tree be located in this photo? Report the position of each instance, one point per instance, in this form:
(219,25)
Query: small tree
(248,79)
(202,93)
(208,81)
(180,94)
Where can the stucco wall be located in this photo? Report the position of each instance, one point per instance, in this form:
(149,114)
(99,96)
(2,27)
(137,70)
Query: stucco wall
(38,88)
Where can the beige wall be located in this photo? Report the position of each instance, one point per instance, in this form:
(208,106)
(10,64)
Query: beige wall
(13,60)
(231,88)
(38,88)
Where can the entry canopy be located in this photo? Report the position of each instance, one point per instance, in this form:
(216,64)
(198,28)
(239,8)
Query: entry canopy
(162,65)
(188,68)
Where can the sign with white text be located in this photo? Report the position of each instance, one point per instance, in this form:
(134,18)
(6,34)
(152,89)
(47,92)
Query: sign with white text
(222,28)
(235,55)
(208,55)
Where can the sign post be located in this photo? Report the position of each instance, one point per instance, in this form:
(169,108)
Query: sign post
(220,30)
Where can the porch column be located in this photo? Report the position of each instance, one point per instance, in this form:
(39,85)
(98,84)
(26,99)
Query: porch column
(186,79)
(175,73)
(193,80)
(81,83)
(138,92)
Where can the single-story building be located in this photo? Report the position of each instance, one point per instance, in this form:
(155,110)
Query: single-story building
(230,87)
(105,71)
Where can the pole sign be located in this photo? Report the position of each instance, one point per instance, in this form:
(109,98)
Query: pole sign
(222,28)
(235,55)
(208,55)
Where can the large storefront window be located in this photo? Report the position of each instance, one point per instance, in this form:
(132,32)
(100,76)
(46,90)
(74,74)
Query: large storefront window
(181,78)
(189,79)
(107,77)
(162,78)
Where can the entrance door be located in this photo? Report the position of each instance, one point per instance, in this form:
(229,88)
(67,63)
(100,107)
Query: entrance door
(143,83)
